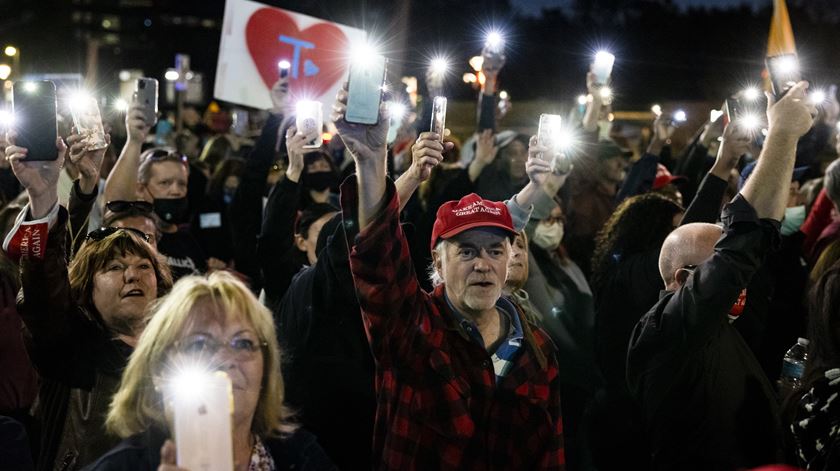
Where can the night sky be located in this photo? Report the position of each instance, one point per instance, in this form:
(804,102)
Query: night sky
(533,7)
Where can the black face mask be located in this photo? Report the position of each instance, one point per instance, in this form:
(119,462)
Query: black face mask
(320,181)
(172,210)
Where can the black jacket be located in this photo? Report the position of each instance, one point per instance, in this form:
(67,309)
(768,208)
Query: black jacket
(328,367)
(299,451)
(706,402)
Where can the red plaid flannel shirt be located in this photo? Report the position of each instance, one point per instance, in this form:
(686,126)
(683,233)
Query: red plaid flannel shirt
(439,406)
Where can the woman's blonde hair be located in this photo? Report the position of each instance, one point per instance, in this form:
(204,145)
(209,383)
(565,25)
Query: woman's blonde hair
(138,404)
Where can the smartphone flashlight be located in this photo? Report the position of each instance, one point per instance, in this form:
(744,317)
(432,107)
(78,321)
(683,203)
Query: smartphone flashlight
(603,65)
(284,67)
(7,119)
(581,100)
(439,66)
(606,93)
(817,97)
(751,93)
(750,122)
(679,117)
(397,111)
(656,110)
(494,41)
(30,87)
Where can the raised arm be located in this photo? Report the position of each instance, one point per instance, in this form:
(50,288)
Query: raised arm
(122,181)
(424,157)
(789,118)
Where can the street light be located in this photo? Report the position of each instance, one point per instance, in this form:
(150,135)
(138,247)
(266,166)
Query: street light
(11,51)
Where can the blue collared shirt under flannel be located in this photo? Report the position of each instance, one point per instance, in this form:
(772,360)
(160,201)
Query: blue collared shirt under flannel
(504,356)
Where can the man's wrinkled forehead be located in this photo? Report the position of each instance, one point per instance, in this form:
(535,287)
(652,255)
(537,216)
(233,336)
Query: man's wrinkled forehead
(481,237)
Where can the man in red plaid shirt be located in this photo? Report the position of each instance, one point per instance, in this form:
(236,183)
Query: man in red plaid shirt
(463,380)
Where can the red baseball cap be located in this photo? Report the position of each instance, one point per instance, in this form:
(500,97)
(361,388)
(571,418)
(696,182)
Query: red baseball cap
(664,177)
(470,212)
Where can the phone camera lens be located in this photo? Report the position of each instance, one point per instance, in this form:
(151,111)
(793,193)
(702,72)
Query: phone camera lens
(141,85)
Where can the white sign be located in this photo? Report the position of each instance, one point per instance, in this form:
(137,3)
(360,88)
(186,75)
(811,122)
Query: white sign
(256,37)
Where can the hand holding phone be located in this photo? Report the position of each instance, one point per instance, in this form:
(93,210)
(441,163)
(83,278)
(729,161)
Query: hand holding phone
(438,125)
(550,136)
(784,73)
(309,119)
(88,123)
(146,94)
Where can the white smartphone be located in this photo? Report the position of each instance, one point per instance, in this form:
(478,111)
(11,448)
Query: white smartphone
(438,125)
(364,91)
(602,66)
(548,135)
(202,409)
(308,118)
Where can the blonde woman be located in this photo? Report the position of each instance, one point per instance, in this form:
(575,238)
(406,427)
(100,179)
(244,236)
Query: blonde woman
(214,318)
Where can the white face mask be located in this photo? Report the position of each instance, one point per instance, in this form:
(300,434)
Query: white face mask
(794,217)
(548,236)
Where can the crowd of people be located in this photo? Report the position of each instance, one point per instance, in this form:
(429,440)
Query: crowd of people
(404,300)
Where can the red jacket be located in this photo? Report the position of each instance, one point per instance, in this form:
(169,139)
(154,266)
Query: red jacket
(439,406)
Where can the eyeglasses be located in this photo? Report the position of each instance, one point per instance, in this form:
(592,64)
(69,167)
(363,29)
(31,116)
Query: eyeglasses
(120,206)
(166,155)
(103,232)
(243,347)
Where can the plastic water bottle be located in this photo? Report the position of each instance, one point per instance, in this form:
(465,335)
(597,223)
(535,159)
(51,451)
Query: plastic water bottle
(793,367)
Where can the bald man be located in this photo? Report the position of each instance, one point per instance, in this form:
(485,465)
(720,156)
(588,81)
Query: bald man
(705,400)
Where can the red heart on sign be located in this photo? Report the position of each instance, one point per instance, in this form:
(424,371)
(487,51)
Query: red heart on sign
(328,54)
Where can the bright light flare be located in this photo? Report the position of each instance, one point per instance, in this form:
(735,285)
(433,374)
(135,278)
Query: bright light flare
(503,95)
(581,100)
(10,51)
(30,87)
(190,382)
(397,110)
(714,115)
(750,122)
(363,53)
(7,119)
(565,139)
(5,71)
(787,64)
(79,100)
(476,62)
(439,66)
(606,93)
(171,75)
(603,65)
(657,110)
(751,93)
(817,97)
(469,78)
(494,40)
(680,116)
(284,65)
(121,105)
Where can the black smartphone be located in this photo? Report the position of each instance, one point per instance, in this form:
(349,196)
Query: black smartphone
(146,91)
(784,73)
(35,109)
(487,113)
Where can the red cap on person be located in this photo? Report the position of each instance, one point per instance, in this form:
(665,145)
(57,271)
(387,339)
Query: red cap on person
(470,212)
(664,177)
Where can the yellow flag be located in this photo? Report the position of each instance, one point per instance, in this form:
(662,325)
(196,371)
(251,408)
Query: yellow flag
(781,33)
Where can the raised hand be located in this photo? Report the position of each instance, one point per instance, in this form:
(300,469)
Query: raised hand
(294,147)
(793,115)
(40,178)
(87,162)
(426,154)
(135,123)
(485,153)
(169,457)
(736,142)
(366,143)
(539,170)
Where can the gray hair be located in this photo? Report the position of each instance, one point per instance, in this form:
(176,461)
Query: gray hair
(831,182)
(434,275)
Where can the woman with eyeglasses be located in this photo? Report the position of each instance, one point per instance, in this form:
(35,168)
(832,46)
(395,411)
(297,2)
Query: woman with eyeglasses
(81,320)
(216,324)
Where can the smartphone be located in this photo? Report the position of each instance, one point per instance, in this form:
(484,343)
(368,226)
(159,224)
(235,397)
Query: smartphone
(284,67)
(438,125)
(365,91)
(146,92)
(309,118)
(602,67)
(202,423)
(548,135)
(784,73)
(34,106)
(732,111)
(88,123)
(240,122)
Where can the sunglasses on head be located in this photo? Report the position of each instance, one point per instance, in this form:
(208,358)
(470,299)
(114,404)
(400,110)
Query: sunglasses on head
(163,154)
(103,232)
(120,206)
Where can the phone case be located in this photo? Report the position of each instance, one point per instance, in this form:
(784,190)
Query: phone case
(438,125)
(35,108)
(88,123)
(146,91)
(203,430)
(364,93)
(547,136)
(309,117)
